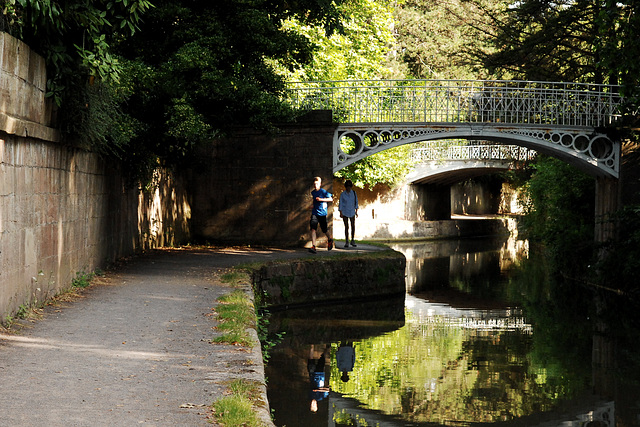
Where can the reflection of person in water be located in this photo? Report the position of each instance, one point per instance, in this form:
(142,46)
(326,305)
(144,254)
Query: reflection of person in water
(319,381)
(345,359)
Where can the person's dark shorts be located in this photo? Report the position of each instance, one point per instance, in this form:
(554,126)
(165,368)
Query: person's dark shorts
(315,220)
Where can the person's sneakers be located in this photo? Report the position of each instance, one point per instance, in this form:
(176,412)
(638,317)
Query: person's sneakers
(330,244)
(346,244)
(353,243)
(312,249)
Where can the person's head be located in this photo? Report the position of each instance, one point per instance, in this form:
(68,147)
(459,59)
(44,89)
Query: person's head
(317,182)
(348,185)
(345,376)
(314,405)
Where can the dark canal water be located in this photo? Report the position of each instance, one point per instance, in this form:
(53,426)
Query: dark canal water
(482,337)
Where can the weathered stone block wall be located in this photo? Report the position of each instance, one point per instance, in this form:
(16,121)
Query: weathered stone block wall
(255,188)
(63,210)
(23,81)
(323,280)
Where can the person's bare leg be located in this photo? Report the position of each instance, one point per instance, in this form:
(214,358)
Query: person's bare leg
(353,231)
(346,231)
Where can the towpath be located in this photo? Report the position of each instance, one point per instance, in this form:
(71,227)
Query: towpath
(135,348)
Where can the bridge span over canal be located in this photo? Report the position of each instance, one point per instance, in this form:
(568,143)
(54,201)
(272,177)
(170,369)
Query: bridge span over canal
(565,120)
(568,121)
(262,180)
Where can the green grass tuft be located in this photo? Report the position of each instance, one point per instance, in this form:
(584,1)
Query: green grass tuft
(236,313)
(236,410)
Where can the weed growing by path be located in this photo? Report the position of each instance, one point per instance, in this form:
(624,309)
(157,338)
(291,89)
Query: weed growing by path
(35,309)
(236,410)
(82,279)
(235,314)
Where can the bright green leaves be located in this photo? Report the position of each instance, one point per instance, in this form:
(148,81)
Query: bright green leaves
(386,167)
(76,40)
(358,51)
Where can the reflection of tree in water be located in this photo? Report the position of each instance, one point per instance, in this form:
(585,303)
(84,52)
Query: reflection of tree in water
(441,372)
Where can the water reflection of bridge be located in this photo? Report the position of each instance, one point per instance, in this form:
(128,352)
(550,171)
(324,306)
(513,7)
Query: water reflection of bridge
(599,414)
(426,312)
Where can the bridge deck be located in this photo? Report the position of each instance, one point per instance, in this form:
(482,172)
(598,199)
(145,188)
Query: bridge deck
(561,119)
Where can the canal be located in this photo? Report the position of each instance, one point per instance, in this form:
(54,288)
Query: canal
(482,337)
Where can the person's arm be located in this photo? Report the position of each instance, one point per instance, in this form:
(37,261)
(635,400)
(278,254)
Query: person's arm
(356,194)
(327,199)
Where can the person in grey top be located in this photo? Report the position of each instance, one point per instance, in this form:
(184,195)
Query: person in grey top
(349,211)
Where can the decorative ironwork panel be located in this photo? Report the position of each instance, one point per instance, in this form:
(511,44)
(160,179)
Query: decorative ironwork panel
(473,152)
(559,118)
(461,101)
(588,150)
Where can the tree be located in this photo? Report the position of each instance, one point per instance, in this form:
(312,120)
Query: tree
(432,37)
(74,36)
(559,210)
(358,51)
(578,41)
(197,68)
(618,46)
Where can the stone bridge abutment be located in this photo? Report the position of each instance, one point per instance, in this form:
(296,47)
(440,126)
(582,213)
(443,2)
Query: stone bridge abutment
(254,187)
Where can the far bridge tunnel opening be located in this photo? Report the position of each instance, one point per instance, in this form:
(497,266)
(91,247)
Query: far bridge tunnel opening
(485,195)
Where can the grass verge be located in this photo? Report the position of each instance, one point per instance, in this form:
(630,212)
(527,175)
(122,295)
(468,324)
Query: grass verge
(236,410)
(236,313)
(235,310)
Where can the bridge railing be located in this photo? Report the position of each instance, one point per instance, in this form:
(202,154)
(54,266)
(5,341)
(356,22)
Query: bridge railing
(473,152)
(461,101)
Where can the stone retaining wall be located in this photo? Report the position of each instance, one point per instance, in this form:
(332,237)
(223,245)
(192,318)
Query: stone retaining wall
(65,211)
(321,280)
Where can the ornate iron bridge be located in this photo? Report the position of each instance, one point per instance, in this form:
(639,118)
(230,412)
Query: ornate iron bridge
(565,120)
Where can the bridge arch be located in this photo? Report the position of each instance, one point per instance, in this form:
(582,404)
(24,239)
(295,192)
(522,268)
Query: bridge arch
(450,172)
(592,152)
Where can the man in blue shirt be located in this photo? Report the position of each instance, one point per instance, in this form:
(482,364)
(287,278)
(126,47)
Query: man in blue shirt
(320,198)
(318,378)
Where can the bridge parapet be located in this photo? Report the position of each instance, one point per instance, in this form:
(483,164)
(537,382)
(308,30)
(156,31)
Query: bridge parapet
(473,152)
(461,101)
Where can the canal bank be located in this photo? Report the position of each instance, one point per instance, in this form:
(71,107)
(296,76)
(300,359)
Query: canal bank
(136,347)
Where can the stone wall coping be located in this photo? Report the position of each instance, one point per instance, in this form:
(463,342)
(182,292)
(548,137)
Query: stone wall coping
(27,129)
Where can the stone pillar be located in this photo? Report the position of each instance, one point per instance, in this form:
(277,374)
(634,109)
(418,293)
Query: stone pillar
(607,203)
